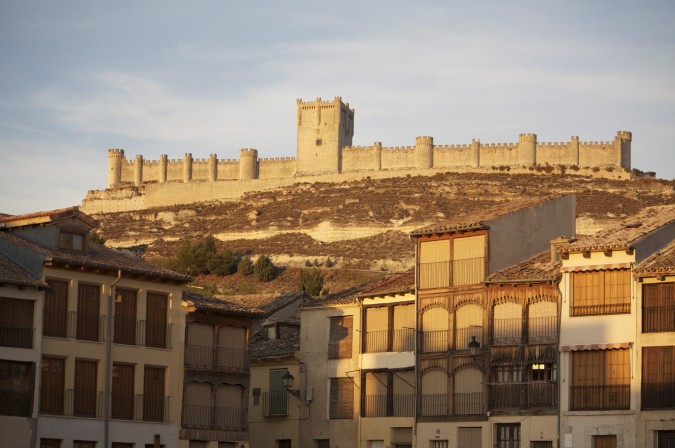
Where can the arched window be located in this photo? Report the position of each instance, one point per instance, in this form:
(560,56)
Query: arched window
(199,347)
(434,385)
(229,409)
(468,396)
(197,405)
(469,324)
(435,330)
(507,323)
(542,322)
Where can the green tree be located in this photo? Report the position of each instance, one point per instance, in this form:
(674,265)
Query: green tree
(245,266)
(264,269)
(311,281)
(222,263)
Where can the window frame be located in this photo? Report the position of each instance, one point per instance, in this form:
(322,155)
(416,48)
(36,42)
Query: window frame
(596,297)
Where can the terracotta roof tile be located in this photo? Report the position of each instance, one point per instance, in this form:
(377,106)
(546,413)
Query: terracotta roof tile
(345,297)
(13,274)
(266,302)
(45,216)
(660,262)
(213,305)
(630,230)
(263,347)
(538,268)
(391,284)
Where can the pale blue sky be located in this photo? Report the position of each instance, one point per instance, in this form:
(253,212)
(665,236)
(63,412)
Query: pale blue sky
(153,77)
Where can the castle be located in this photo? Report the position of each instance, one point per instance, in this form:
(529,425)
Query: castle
(324,148)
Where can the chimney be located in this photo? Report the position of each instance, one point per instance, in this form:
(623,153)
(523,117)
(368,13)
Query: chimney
(557,243)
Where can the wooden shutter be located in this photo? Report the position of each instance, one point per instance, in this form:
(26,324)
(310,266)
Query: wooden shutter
(469,437)
(507,323)
(607,441)
(123,391)
(403,385)
(84,404)
(434,385)
(340,340)
(542,321)
(435,330)
(155,320)
(434,269)
(341,398)
(377,329)
(468,260)
(229,406)
(658,307)
(404,328)
(153,394)
(469,323)
(16,323)
(197,404)
(88,312)
(52,385)
(55,309)
(125,316)
(231,351)
(658,377)
(375,394)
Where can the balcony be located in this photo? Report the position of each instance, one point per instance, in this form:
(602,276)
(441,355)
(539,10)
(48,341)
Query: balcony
(523,395)
(16,337)
(463,404)
(600,309)
(138,332)
(383,405)
(15,403)
(275,403)
(401,340)
(140,407)
(542,330)
(434,341)
(442,274)
(658,396)
(599,398)
(657,319)
(507,331)
(71,403)
(209,417)
(465,334)
(221,358)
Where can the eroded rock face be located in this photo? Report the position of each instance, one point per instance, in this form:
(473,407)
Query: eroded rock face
(366,222)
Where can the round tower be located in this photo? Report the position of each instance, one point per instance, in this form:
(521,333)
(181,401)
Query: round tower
(115,158)
(424,152)
(475,152)
(248,163)
(527,149)
(138,171)
(213,168)
(163,167)
(187,167)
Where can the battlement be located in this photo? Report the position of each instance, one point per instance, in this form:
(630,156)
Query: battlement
(248,152)
(115,153)
(527,137)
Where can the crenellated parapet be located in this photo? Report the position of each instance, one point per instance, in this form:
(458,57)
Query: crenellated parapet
(115,159)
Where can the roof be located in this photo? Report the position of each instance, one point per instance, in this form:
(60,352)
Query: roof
(344,297)
(660,262)
(47,216)
(13,274)
(269,303)
(400,283)
(97,257)
(213,305)
(623,235)
(537,269)
(263,347)
(476,214)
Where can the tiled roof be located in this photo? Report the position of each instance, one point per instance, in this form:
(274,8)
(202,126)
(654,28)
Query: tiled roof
(660,262)
(345,297)
(12,274)
(475,214)
(213,305)
(630,230)
(538,268)
(263,347)
(269,303)
(399,283)
(98,257)
(45,217)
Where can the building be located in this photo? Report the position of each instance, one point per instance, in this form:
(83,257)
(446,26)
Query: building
(601,341)
(324,152)
(459,350)
(110,343)
(217,372)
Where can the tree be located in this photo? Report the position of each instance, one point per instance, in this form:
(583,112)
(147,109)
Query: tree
(245,266)
(222,263)
(264,269)
(311,281)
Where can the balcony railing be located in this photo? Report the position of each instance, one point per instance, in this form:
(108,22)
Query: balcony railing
(658,396)
(86,327)
(507,331)
(600,398)
(275,403)
(383,405)
(658,319)
(434,404)
(434,341)
(16,337)
(222,358)
(523,395)
(465,334)
(232,359)
(467,403)
(439,274)
(600,309)
(401,340)
(139,407)
(542,330)
(137,332)
(71,403)
(155,408)
(15,403)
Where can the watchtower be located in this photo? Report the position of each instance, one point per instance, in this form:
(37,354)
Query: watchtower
(324,128)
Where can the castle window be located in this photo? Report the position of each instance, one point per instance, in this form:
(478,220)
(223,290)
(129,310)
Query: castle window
(318,142)
(71,240)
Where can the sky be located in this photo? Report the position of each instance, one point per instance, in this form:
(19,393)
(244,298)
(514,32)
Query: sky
(169,77)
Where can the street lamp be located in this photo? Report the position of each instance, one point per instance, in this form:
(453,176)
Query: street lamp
(474,345)
(287,381)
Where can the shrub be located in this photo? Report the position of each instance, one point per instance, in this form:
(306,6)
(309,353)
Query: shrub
(329,263)
(97,238)
(264,269)
(308,264)
(311,281)
(222,263)
(245,266)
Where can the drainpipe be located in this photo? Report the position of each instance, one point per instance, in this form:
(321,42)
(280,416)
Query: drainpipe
(559,356)
(415,353)
(108,363)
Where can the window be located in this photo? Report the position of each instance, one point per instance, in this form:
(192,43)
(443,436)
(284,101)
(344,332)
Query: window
(50,443)
(508,435)
(469,325)
(16,388)
(390,328)
(376,444)
(155,329)
(340,340)
(122,391)
(506,390)
(468,265)
(16,323)
(229,409)
(666,439)
(608,441)
(199,346)
(658,307)
(284,443)
(153,394)
(434,260)
(83,444)
(341,398)
(71,240)
(125,316)
(658,377)
(88,313)
(468,438)
(435,324)
(122,445)
(468,396)
(321,443)
(434,383)
(439,443)
(542,372)
(231,349)
(196,444)
(275,402)
(197,405)
(52,387)
(84,404)
(542,323)
(507,324)
(600,292)
(542,444)
(388,394)
(600,380)
(401,437)
(56,309)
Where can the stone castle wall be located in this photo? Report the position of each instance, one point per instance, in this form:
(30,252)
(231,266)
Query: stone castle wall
(325,130)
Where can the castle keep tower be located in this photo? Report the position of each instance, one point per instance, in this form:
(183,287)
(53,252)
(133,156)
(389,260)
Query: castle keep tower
(115,157)
(324,128)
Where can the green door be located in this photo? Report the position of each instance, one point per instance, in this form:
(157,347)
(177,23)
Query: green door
(278,393)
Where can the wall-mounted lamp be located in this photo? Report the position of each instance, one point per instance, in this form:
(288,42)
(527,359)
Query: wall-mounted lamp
(474,345)
(287,381)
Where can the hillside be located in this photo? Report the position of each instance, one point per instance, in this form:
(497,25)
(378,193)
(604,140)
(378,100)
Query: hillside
(364,224)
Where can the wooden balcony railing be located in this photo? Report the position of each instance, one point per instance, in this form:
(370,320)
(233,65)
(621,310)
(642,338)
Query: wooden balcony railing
(600,398)
(600,309)
(470,403)
(542,330)
(222,358)
(523,395)
(507,331)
